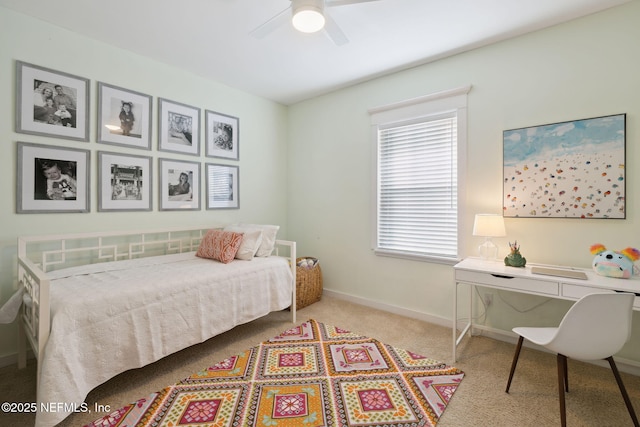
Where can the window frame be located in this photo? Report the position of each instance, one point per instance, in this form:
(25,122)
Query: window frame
(416,109)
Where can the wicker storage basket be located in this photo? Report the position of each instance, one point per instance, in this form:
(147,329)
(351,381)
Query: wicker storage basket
(308,283)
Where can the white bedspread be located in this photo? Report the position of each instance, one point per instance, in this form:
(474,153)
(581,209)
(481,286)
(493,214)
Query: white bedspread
(110,317)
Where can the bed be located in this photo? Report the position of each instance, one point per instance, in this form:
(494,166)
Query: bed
(98,304)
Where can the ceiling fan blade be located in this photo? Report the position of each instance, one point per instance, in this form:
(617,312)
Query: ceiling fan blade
(271,25)
(345,2)
(333,31)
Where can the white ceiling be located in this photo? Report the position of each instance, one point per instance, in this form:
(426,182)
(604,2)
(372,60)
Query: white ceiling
(211,37)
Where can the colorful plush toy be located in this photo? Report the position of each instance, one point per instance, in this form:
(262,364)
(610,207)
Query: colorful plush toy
(613,263)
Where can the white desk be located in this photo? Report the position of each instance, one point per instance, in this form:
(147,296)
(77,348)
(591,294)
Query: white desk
(494,274)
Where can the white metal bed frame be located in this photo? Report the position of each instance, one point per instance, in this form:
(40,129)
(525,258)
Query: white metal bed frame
(38,255)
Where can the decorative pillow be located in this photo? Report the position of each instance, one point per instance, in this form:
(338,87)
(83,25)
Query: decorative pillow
(251,239)
(269,233)
(220,245)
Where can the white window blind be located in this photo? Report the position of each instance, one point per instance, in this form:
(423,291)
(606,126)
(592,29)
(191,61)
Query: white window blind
(419,165)
(417,187)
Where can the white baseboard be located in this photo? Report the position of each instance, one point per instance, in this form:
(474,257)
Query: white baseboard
(12,359)
(436,320)
(624,365)
(8,360)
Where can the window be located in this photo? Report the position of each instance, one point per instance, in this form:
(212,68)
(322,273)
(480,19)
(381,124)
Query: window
(420,148)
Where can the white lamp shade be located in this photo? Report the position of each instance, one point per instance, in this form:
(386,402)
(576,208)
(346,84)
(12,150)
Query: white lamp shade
(308,16)
(489,225)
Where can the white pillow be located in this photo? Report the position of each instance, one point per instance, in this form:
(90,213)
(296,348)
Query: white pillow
(251,240)
(269,233)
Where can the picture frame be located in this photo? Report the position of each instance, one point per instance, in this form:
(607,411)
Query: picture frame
(178,127)
(124,182)
(573,169)
(223,186)
(222,135)
(52,179)
(124,117)
(179,183)
(51,103)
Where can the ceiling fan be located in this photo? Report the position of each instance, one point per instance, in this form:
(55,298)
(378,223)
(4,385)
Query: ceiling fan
(308,16)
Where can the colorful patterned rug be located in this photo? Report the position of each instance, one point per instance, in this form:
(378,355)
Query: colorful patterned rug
(311,375)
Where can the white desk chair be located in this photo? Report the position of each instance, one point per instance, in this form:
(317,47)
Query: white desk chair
(595,327)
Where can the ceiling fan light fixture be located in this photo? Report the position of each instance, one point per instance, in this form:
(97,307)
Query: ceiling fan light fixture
(308,15)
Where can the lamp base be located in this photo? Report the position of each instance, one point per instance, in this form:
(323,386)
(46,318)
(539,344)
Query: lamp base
(488,250)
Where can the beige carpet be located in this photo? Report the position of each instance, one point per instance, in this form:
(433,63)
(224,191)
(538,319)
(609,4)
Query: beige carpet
(594,399)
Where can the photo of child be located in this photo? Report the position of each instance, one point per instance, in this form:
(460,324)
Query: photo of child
(180,129)
(182,189)
(126,118)
(122,118)
(55,180)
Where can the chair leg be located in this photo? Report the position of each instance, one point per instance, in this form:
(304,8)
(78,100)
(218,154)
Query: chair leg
(515,362)
(566,374)
(562,372)
(623,390)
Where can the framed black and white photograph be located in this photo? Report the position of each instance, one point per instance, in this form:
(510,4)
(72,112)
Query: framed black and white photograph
(51,103)
(178,127)
(124,117)
(223,190)
(124,182)
(52,179)
(179,185)
(222,135)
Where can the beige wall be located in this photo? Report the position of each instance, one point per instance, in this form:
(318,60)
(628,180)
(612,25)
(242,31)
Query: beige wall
(263,156)
(585,68)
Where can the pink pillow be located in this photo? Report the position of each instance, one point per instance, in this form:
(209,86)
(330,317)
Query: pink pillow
(220,245)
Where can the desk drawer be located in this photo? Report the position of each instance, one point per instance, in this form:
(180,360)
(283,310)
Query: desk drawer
(532,286)
(577,292)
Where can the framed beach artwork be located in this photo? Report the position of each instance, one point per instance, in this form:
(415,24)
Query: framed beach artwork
(52,179)
(124,117)
(222,136)
(572,169)
(51,103)
(124,182)
(179,185)
(178,127)
(223,187)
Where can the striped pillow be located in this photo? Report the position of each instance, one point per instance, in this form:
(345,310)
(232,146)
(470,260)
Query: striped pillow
(219,245)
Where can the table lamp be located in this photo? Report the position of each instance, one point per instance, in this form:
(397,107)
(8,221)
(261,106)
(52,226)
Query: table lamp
(488,226)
